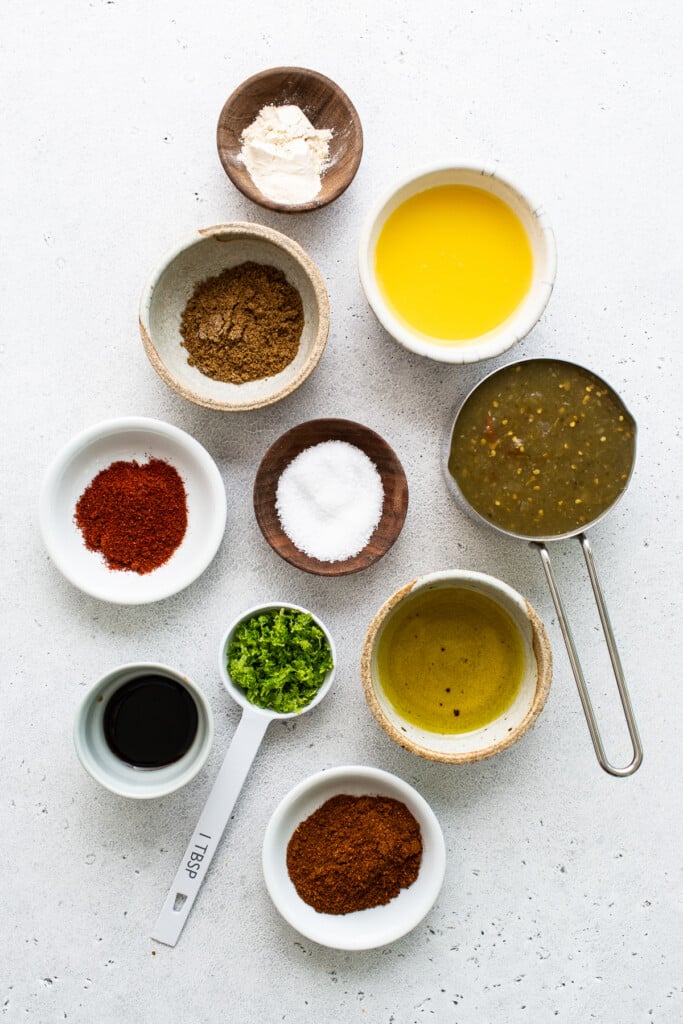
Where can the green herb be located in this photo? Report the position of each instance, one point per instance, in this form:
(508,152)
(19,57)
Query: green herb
(280,659)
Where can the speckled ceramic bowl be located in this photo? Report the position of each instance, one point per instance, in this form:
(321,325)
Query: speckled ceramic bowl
(205,254)
(502,732)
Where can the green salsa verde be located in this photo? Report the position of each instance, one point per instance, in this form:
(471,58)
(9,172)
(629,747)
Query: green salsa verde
(542,448)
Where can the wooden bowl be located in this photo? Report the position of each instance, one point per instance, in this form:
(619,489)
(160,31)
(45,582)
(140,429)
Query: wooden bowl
(291,444)
(323,103)
(204,254)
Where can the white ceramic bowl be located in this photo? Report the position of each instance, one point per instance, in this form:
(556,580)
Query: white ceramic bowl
(237,693)
(364,929)
(114,774)
(94,449)
(206,253)
(519,323)
(502,732)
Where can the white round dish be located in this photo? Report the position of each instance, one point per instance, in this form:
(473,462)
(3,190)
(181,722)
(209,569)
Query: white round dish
(113,773)
(364,929)
(94,449)
(520,322)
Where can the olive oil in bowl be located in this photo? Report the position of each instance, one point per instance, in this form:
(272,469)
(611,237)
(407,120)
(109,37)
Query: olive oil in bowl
(450,660)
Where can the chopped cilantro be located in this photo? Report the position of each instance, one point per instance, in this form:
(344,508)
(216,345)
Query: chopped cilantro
(280,659)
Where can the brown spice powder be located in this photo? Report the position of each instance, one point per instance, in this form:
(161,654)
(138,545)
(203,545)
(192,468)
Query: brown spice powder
(354,853)
(244,324)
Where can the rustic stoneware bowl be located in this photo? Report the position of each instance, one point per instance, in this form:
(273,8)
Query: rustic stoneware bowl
(324,104)
(139,438)
(503,731)
(291,444)
(205,254)
(364,929)
(520,322)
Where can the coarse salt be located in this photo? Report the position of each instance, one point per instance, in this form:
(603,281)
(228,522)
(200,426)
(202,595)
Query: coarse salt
(329,500)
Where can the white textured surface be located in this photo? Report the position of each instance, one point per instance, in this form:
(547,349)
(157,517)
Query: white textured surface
(562,892)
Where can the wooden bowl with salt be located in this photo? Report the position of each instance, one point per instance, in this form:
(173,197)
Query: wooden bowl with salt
(324,104)
(297,440)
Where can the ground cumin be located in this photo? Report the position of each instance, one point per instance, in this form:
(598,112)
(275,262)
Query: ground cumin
(354,853)
(244,324)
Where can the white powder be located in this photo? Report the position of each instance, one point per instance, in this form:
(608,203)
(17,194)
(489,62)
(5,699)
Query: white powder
(285,155)
(329,500)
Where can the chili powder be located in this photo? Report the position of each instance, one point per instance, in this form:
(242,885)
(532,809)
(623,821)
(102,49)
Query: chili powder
(354,853)
(134,514)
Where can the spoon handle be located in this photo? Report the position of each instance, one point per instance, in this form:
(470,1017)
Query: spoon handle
(210,827)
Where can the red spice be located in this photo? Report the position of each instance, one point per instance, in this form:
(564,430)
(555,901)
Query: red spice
(135,514)
(354,853)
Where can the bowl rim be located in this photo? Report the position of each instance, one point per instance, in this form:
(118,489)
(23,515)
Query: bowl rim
(469,351)
(255,195)
(233,231)
(235,692)
(355,563)
(135,790)
(403,791)
(540,644)
(79,443)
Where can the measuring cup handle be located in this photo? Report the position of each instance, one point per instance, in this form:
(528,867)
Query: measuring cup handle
(635,763)
(210,827)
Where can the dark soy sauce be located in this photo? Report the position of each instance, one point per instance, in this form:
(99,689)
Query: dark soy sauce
(150,721)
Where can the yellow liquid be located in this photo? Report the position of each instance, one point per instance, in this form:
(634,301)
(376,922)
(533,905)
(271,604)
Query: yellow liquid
(453,262)
(450,660)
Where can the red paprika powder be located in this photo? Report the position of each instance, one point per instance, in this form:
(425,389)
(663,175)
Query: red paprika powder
(135,514)
(354,853)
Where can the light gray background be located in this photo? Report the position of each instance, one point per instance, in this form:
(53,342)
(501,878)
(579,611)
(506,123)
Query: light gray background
(562,893)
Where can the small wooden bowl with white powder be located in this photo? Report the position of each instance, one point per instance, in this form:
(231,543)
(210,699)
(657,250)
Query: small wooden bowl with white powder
(290,139)
(330,497)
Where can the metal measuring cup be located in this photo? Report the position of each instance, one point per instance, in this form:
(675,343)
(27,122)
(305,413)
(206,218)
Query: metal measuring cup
(228,785)
(540,543)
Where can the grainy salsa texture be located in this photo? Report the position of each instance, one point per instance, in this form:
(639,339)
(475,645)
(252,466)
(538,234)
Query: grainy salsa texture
(542,448)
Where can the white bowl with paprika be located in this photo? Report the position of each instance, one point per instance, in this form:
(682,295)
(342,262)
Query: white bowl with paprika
(132,510)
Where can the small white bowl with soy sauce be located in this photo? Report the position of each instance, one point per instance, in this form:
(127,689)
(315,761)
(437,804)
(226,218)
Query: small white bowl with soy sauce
(144,730)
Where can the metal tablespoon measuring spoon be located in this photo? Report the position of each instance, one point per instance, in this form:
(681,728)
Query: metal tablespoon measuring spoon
(227,787)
